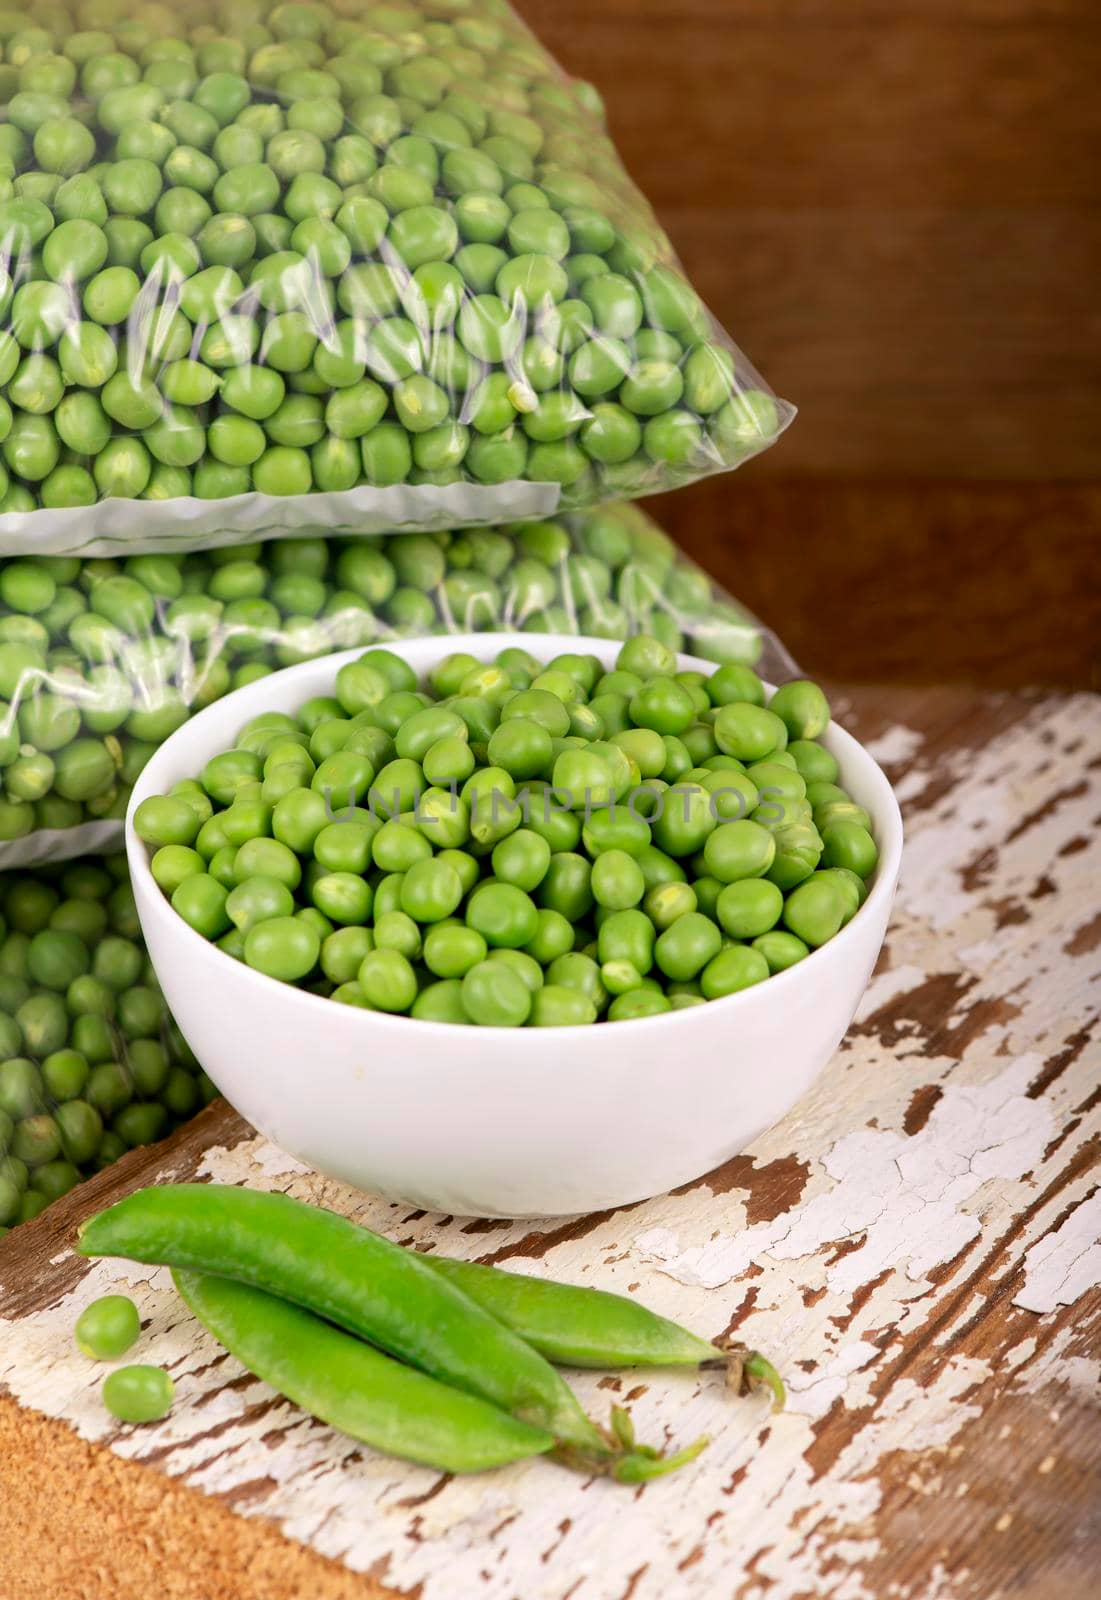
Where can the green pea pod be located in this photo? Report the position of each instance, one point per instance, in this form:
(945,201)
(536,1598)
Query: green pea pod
(577,1327)
(353,1387)
(353,1278)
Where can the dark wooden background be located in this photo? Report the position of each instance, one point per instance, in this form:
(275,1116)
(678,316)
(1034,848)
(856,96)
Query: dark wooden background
(893,205)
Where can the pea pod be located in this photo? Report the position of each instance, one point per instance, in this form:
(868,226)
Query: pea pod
(573,1326)
(353,1278)
(578,1327)
(355,1388)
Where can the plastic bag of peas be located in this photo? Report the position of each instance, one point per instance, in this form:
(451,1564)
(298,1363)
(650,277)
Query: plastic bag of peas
(101,660)
(91,1063)
(269,268)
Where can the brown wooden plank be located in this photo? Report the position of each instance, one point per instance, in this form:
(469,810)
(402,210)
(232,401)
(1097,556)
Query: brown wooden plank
(709,105)
(566,20)
(950,343)
(1011,1507)
(992,584)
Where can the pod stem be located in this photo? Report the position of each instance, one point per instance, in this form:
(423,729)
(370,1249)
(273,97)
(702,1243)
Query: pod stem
(640,1467)
(748,1371)
(626,1461)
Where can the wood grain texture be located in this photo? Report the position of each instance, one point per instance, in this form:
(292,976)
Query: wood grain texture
(919,1245)
(991,584)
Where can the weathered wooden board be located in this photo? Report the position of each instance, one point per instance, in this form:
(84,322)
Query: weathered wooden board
(918,1245)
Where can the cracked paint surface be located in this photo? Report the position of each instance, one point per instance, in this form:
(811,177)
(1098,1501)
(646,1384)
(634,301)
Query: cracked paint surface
(944,1154)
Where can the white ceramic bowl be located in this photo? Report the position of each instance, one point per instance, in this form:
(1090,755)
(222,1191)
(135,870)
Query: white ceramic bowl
(499,1121)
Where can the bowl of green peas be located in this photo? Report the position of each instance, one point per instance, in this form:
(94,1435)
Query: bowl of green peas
(507,928)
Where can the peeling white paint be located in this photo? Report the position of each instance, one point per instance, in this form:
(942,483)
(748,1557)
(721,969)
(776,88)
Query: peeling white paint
(1064,1264)
(897,745)
(1055,1365)
(904,1194)
(831,1381)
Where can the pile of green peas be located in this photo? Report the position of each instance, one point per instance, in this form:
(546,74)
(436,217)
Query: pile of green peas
(303,247)
(101,660)
(91,1063)
(519,843)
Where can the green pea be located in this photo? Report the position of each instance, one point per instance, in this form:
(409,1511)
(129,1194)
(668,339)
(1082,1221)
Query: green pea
(780,949)
(522,859)
(848,844)
(172,864)
(803,709)
(665,902)
(81,1128)
(344,846)
(558,1006)
(140,1012)
(741,849)
(737,967)
(617,881)
(430,891)
(396,848)
(36,1140)
(451,950)
(494,996)
(55,958)
(522,746)
(258,899)
(813,761)
(448,760)
(270,858)
(21,1088)
(117,963)
(687,946)
(387,980)
(636,1004)
(54,1178)
(166,820)
(815,910)
(282,947)
(503,914)
(224,774)
(749,907)
(201,901)
(748,731)
(465,865)
(842,811)
(620,977)
(138,1394)
(627,936)
(567,886)
(394,929)
(342,953)
(686,819)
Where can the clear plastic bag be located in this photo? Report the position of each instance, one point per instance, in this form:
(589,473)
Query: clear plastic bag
(91,1063)
(101,660)
(271,269)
